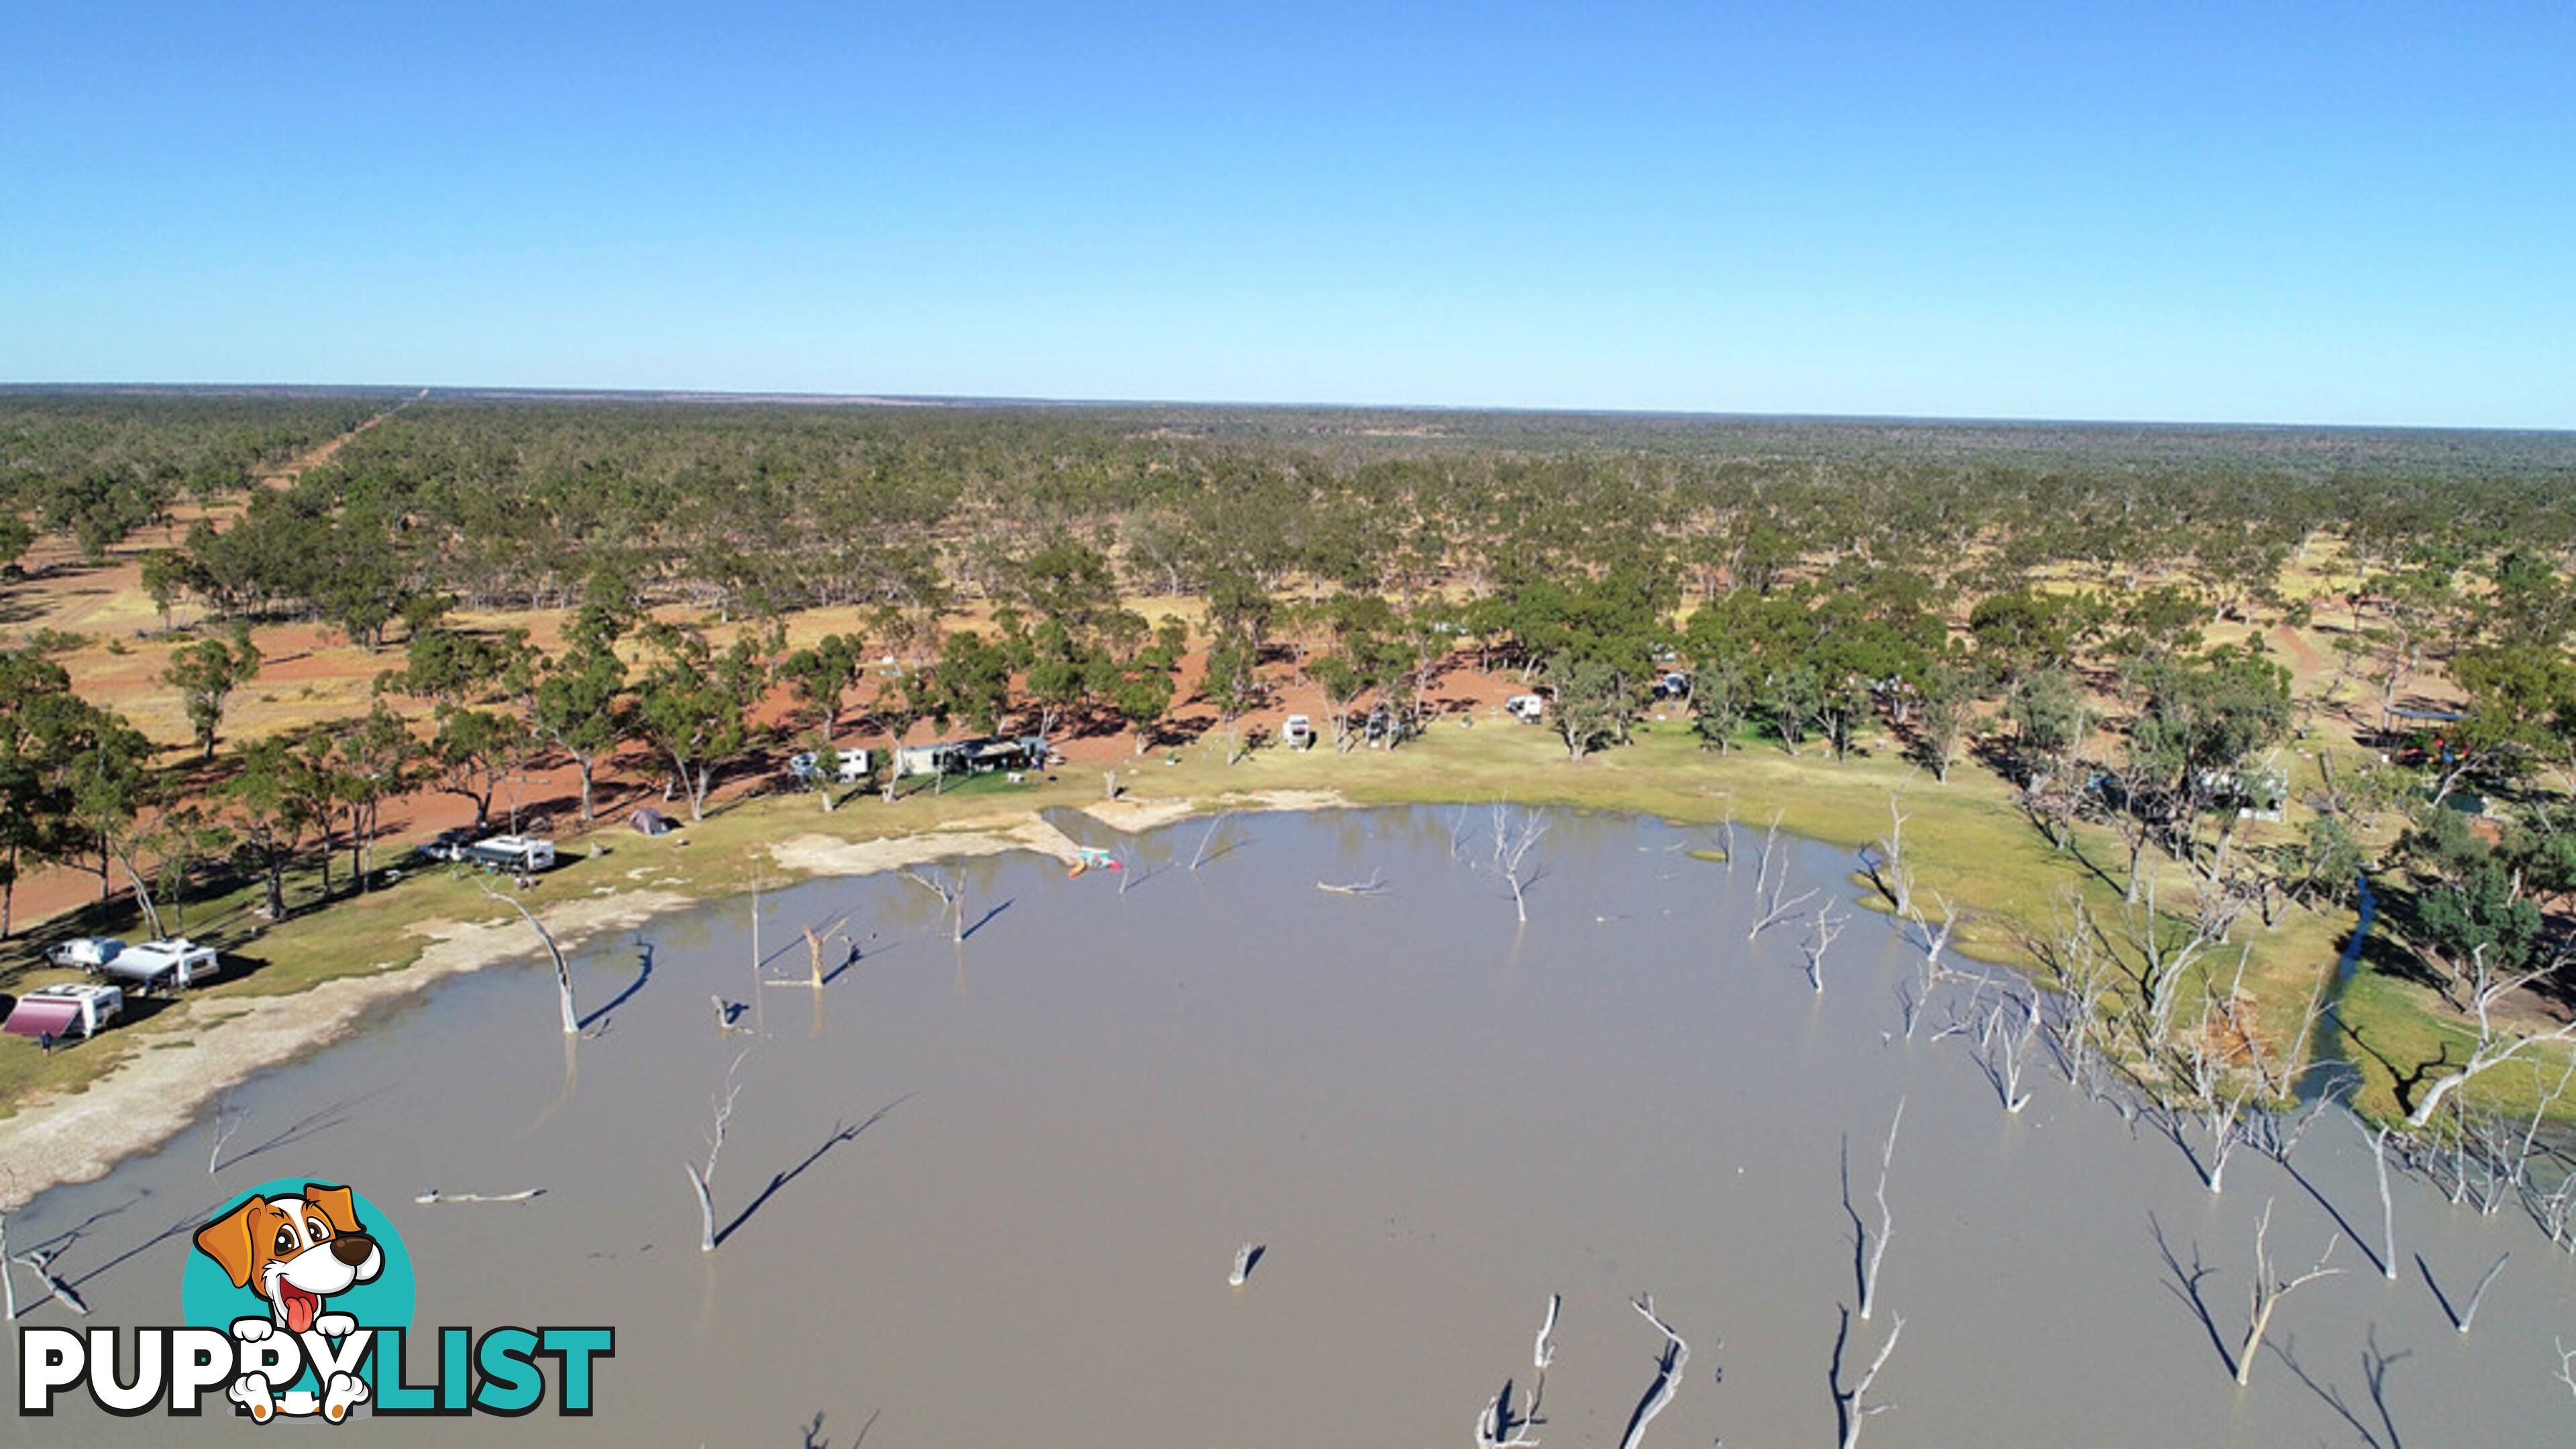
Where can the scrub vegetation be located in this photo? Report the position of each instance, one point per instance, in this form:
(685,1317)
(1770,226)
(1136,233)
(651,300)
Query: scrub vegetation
(2140,708)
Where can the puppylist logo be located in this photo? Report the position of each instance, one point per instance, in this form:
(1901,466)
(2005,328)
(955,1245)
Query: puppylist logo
(297,1301)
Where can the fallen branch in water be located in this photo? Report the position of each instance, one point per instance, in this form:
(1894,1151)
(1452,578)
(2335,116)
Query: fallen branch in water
(435,1196)
(1375,883)
(41,1264)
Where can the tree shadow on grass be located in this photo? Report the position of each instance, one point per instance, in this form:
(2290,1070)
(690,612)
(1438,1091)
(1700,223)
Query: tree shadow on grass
(2403,1082)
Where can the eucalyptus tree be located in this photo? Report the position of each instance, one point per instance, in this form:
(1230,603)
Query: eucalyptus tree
(371,761)
(580,706)
(1947,710)
(975,675)
(109,779)
(694,703)
(821,676)
(269,813)
(1069,582)
(2205,719)
(16,537)
(2521,709)
(50,744)
(206,673)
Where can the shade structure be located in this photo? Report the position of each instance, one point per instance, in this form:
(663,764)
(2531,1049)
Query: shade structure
(38,1015)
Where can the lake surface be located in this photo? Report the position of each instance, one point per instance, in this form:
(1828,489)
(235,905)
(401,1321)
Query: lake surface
(1431,1117)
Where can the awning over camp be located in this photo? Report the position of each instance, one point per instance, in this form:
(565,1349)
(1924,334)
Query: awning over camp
(37,1015)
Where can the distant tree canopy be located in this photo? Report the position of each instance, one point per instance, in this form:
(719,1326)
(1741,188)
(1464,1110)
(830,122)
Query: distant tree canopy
(2042,598)
(749,510)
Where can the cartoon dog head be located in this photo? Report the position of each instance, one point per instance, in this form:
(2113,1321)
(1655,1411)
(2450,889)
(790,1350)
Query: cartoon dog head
(294,1251)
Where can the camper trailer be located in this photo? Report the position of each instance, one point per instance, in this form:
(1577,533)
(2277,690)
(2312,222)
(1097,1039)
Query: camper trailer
(517,854)
(848,767)
(972,757)
(1298,733)
(174,964)
(1527,708)
(62,1011)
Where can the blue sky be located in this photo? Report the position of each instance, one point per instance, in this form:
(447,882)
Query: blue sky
(2359,212)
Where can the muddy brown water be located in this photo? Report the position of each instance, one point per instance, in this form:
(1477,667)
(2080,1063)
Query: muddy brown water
(1431,1119)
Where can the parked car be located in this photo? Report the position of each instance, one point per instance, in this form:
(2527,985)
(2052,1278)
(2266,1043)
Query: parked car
(88,952)
(448,844)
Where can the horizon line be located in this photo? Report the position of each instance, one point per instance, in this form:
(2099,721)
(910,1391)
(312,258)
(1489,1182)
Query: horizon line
(970,401)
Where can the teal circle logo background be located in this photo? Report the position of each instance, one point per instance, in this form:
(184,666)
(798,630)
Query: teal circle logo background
(208,1299)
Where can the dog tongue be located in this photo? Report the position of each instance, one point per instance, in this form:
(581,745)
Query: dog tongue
(301,1307)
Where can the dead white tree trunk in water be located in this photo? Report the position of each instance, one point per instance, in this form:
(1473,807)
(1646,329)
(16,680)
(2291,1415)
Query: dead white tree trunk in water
(2220,1111)
(1497,1427)
(563,970)
(2082,977)
(2378,1140)
(228,1120)
(1876,1251)
(1885,860)
(2004,1051)
(1934,942)
(951,893)
(1219,823)
(1770,909)
(1770,843)
(1542,1352)
(702,1179)
(2466,1316)
(2269,1289)
(1929,973)
(1818,940)
(815,942)
(1514,836)
(1851,1405)
(1668,1378)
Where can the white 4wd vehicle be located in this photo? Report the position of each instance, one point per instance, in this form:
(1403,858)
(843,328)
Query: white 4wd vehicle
(88,953)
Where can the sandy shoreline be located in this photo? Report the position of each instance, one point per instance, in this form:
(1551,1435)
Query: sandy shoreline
(157,1093)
